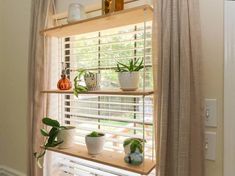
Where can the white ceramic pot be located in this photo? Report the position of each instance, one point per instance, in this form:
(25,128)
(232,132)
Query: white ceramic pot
(128,80)
(95,145)
(76,12)
(67,136)
(93,81)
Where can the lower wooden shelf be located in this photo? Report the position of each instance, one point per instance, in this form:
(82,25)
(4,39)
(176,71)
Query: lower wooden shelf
(109,158)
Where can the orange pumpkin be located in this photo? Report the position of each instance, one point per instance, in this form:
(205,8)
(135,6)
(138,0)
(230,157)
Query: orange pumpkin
(64,83)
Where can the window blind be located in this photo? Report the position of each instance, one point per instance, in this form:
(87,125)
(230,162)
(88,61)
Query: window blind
(118,116)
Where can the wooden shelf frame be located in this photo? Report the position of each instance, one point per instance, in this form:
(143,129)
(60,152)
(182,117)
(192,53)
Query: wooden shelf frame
(109,158)
(104,92)
(123,18)
(117,19)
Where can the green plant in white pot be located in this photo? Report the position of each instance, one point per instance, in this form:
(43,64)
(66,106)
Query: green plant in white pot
(134,148)
(95,142)
(92,81)
(128,74)
(61,136)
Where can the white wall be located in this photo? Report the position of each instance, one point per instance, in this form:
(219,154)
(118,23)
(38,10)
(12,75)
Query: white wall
(1,58)
(212,68)
(229,87)
(14,59)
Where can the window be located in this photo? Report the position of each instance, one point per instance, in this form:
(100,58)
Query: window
(118,116)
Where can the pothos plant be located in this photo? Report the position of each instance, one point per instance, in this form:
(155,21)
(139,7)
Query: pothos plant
(77,86)
(132,66)
(50,137)
(134,144)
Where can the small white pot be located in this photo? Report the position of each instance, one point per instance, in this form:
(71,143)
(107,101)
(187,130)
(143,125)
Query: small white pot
(76,12)
(92,82)
(95,145)
(67,136)
(128,80)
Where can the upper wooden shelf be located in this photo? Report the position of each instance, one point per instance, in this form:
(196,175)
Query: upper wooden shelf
(103,92)
(109,158)
(116,19)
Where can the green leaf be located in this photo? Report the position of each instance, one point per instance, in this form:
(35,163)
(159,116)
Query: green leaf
(118,69)
(39,157)
(39,163)
(136,62)
(53,134)
(135,143)
(131,66)
(134,146)
(127,142)
(50,122)
(125,66)
(44,132)
(75,92)
(64,127)
(94,134)
(56,143)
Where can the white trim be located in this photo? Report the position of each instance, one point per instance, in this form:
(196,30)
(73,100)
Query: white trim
(7,171)
(229,88)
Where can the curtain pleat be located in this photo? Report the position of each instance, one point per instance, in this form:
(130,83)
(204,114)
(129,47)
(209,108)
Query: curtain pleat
(37,80)
(177,54)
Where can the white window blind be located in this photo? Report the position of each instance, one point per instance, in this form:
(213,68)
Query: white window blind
(118,116)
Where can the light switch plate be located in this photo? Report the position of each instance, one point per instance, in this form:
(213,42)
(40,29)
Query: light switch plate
(210,146)
(210,112)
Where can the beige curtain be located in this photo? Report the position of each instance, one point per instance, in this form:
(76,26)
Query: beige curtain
(38,70)
(177,56)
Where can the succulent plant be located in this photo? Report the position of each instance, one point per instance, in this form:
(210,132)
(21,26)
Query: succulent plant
(95,134)
(132,66)
(135,143)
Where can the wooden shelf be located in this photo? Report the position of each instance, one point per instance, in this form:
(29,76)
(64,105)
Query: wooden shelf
(116,19)
(109,158)
(103,92)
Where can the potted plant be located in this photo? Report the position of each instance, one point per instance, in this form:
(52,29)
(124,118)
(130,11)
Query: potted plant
(61,136)
(92,81)
(95,142)
(128,74)
(133,148)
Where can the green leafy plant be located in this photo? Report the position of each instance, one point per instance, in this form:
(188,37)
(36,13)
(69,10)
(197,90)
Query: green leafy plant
(132,66)
(135,143)
(50,137)
(95,134)
(77,86)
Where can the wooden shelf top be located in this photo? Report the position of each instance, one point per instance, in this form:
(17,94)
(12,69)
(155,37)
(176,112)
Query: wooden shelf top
(103,92)
(109,158)
(117,19)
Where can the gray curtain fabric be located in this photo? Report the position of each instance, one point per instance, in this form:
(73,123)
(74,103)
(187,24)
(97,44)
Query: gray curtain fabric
(36,81)
(177,54)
